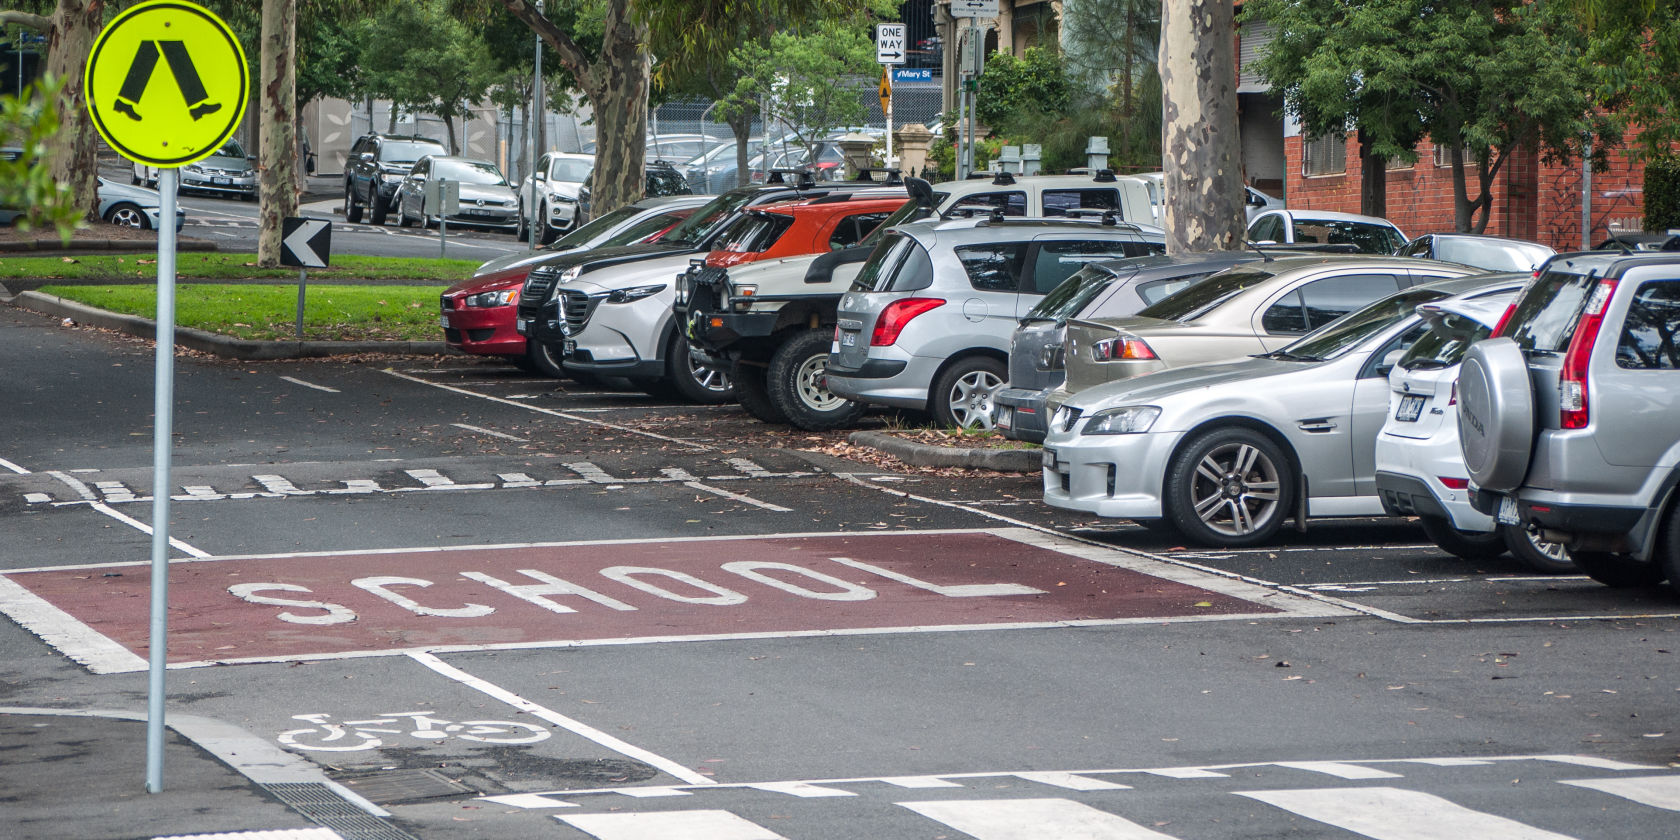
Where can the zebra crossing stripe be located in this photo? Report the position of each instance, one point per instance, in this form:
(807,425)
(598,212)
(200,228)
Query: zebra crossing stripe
(1071,781)
(1655,791)
(1351,772)
(1386,813)
(669,825)
(1032,819)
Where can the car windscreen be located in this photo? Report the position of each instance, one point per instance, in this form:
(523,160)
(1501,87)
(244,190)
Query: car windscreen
(397,151)
(636,233)
(1072,296)
(595,228)
(1491,255)
(909,211)
(1204,297)
(570,169)
(1368,238)
(467,171)
(1449,336)
(1345,333)
(699,228)
(231,149)
(752,232)
(1548,311)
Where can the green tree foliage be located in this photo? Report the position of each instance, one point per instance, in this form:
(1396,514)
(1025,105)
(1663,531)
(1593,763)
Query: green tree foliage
(1022,90)
(813,83)
(28,122)
(1634,53)
(1662,194)
(1482,79)
(1112,45)
(419,56)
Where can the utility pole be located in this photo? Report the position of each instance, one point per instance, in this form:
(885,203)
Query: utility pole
(536,112)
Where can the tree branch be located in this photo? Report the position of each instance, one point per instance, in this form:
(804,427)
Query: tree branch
(39,23)
(572,56)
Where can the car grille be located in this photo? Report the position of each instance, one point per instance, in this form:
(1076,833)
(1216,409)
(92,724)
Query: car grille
(1068,417)
(539,284)
(576,307)
(444,302)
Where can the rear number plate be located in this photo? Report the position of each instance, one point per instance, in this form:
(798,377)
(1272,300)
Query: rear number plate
(1411,407)
(568,347)
(1005,417)
(444,322)
(521,325)
(848,339)
(1507,513)
(1049,458)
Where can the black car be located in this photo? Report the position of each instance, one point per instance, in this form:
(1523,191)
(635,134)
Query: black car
(661,179)
(377,164)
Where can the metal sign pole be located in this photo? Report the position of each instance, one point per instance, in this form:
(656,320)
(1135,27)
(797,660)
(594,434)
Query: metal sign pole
(303,280)
(169,179)
(531,235)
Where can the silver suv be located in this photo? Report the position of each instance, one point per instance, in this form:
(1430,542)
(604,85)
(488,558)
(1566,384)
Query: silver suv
(1569,419)
(926,324)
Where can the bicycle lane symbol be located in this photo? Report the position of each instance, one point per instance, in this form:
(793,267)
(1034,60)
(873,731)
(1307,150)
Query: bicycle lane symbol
(324,735)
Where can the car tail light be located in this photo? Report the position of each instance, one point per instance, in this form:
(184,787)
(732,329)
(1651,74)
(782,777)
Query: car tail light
(1122,347)
(1499,328)
(897,316)
(1572,384)
(1453,398)
(1453,483)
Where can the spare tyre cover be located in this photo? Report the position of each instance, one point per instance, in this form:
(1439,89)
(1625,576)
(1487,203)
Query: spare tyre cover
(1495,414)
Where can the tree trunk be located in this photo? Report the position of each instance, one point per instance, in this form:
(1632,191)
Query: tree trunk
(449,129)
(75,25)
(278,148)
(1203,210)
(1373,180)
(619,95)
(741,126)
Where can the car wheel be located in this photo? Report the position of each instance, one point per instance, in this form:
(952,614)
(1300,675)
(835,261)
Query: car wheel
(962,395)
(797,380)
(378,209)
(543,359)
(548,233)
(403,219)
(752,391)
(1548,558)
(1467,545)
(522,233)
(1617,570)
(1229,487)
(352,210)
(1668,548)
(1495,414)
(129,216)
(248,196)
(693,380)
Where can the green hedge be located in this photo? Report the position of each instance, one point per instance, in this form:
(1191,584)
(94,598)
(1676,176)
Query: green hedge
(1662,195)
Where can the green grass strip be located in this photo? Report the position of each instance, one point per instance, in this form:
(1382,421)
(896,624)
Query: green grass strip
(220,266)
(264,312)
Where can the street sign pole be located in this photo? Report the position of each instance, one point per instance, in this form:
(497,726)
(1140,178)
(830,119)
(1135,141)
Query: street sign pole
(163,412)
(303,281)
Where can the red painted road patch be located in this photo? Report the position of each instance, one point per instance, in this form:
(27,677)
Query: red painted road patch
(369,603)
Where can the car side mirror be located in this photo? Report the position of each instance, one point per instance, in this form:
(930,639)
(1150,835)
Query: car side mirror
(1389,360)
(367,157)
(540,175)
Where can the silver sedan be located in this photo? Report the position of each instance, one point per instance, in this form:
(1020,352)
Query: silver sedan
(1224,452)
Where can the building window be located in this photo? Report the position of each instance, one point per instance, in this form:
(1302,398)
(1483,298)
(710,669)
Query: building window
(1443,156)
(1325,155)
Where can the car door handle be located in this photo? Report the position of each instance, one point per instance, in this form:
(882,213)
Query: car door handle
(1316,425)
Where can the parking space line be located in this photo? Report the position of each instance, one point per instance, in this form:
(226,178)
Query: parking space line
(482,431)
(295,381)
(575,727)
(716,491)
(564,415)
(13,467)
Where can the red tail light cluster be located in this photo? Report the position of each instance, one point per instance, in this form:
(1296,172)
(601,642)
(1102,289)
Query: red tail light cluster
(897,316)
(1572,384)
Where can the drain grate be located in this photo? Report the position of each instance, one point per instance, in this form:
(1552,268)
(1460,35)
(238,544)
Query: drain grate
(325,806)
(389,786)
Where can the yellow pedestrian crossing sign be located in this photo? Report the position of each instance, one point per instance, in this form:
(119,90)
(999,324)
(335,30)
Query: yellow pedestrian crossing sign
(166,83)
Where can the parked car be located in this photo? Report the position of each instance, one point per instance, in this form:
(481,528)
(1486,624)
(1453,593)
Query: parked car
(1369,234)
(135,207)
(230,171)
(620,323)
(377,164)
(1252,308)
(1642,241)
(1108,289)
(1420,470)
(551,208)
(1569,418)
(926,324)
(713,171)
(1254,201)
(1490,253)
(671,148)
(658,178)
(1225,453)
(487,199)
(479,312)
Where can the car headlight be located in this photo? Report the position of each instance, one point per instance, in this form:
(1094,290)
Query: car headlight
(569,199)
(504,297)
(740,297)
(1125,420)
(248,173)
(634,293)
(194,169)
(571,274)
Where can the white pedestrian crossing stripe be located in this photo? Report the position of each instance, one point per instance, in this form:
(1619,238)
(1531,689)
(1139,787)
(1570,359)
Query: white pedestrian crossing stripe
(1386,813)
(1033,819)
(669,825)
(1655,791)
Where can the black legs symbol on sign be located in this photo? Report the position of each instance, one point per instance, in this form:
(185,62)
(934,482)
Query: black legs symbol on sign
(186,78)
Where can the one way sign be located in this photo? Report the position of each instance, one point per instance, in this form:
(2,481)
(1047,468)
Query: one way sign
(305,243)
(889,43)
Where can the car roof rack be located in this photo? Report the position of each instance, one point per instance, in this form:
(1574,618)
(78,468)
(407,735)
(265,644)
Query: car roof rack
(1109,216)
(893,177)
(803,179)
(1104,176)
(1003,179)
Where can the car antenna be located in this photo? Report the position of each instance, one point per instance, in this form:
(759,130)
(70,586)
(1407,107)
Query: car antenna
(1261,251)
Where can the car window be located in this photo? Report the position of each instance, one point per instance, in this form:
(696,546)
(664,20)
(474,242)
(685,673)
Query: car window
(1267,229)
(1014,203)
(993,268)
(595,227)
(1444,345)
(231,149)
(753,232)
(407,151)
(1059,202)
(469,171)
(853,229)
(570,169)
(1326,300)
(1056,261)
(1368,238)
(699,228)
(1653,318)
(1160,289)
(898,264)
(1418,247)
(1347,333)
(1546,314)
(1072,296)
(1202,298)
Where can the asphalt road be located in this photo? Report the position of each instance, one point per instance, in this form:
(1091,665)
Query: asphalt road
(232,224)
(516,608)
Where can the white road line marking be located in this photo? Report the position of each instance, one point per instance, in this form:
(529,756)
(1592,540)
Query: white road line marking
(1656,791)
(279,486)
(36,498)
(1032,819)
(1340,770)
(77,641)
(574,726)
(147,529)
(13,467)
(737,497)
(550,412)
(74,484)
(1186,773)
(800,789)
(918,782)
(1385,813)
(1593,761)
(434,480)
(115,491)
(295,381)
(518,480)
(669,825)
(490,433)
(1071,781)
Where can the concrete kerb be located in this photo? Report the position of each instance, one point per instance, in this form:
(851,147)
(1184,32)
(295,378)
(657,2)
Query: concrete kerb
(927,455)
(220,345)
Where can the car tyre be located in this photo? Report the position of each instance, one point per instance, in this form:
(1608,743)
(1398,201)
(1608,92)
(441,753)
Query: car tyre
(1617,570)
(548,233)
(1545,557)
(129,216)
(403,219)
(1466,545)
(522,232)
(752,391)
(378,210)
(542,359)
(1229,488)
(796,382)
(962,395)
(693,381)
(1668,548)
(352,210)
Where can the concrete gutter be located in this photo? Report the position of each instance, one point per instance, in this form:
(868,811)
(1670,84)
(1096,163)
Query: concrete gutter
(927,455)
(78,244)
(220,345)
